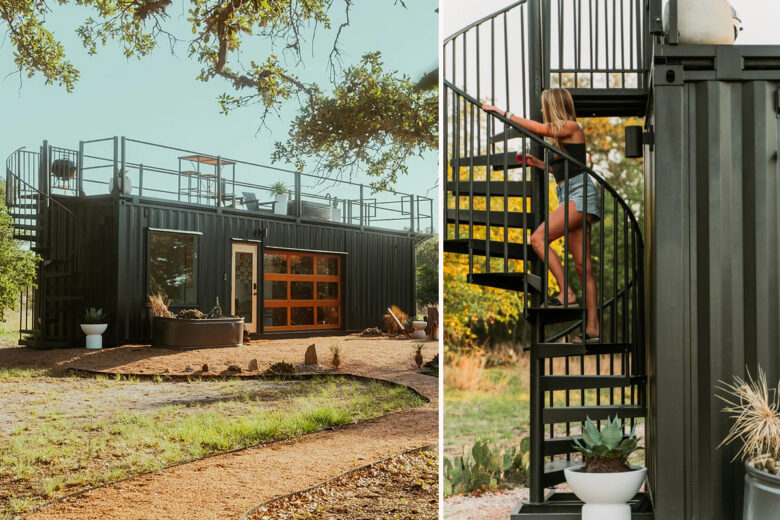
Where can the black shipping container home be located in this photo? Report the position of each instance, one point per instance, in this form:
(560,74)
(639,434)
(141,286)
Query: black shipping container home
(118,219)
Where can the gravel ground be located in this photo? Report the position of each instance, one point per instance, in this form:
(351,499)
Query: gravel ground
(490,506)
(404,487)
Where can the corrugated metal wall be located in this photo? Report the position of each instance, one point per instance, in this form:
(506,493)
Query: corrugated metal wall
(379,267)
(713,258)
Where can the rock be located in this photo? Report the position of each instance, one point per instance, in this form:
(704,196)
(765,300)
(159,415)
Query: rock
(214,368)
(205,367)
(234,368)
(311,356)
(189,368)
(253,366)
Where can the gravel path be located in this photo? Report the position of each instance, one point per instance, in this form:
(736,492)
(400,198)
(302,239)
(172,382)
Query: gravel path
(490,506)
(225,486)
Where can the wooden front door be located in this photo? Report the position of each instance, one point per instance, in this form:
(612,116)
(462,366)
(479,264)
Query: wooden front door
(243,297)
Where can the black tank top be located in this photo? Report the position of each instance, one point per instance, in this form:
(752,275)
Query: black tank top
(575,150)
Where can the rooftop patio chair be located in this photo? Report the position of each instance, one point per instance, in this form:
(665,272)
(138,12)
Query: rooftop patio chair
(252,204)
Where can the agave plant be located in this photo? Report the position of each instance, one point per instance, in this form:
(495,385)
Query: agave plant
(279,188)
(606,451)
(94,315)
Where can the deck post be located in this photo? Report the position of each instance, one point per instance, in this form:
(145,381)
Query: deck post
(115,173)
(673,36)
(362,208)
(411,214)
(122,173)
(80,180)
(298,196)
(43,171)
(218,188)
(140,180)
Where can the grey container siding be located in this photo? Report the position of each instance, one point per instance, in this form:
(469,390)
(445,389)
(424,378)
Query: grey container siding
(713,235)
(379,268)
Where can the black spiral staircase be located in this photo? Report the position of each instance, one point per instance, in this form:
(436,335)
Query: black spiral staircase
(50,309)
(494,203)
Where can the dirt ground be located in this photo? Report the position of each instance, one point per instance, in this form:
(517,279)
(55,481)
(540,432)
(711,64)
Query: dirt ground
(226,486)
(489,506)
(401,488)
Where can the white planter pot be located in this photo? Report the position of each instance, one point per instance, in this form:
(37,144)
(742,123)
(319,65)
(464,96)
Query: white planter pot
(280,208)
(335,215)
(605,494)
(126,186)
(703,22)
(94,333)
(419,330)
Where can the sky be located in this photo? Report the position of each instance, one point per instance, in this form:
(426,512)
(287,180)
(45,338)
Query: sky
(158,98)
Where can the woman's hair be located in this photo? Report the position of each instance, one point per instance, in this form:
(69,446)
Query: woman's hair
(557,108)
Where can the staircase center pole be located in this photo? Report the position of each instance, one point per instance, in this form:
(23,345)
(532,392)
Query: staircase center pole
(538,32)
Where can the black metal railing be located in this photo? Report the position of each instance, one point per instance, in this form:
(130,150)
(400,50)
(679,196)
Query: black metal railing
(159,172)
(597,43)
(474,215)
(493,204)
(47,311)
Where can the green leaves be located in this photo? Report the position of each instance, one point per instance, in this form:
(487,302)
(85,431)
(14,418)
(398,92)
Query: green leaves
(372,122)
(607,443)
(17,266)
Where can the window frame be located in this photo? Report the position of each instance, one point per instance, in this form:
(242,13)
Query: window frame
(315,278)
(198,247)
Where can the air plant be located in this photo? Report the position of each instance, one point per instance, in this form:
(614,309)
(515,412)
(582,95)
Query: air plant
(754,408)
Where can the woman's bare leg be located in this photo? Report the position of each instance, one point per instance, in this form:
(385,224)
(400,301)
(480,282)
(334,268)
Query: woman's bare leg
(556,226)
(589,281)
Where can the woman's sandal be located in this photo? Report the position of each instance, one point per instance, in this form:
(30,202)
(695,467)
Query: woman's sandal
(555,302)
(587,339)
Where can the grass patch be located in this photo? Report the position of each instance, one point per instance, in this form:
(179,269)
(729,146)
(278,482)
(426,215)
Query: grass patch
(498,413)
(54,453)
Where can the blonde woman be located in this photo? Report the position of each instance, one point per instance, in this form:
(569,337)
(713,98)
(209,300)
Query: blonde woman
(561,128)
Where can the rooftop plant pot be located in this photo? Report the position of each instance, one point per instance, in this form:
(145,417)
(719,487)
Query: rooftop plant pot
(281,200)
(762,494)
(605,494)
(64,169)
(184,334)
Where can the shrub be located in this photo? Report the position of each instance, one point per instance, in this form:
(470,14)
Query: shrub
(484,467)
(191,314)
(390,323)
(281,367)
(336,351)
(159,306)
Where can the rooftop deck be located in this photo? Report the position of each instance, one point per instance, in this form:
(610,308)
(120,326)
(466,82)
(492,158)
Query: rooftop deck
(150,171)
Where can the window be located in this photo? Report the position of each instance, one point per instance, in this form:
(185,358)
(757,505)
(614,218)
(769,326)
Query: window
(173,266)
(301,291)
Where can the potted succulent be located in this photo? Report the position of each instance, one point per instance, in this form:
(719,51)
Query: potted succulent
(754,408)
(605,482)
(335,214)
(94,325)
(281,195)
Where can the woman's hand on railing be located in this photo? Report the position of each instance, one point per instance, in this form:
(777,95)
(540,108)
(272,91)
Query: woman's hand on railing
(491,108)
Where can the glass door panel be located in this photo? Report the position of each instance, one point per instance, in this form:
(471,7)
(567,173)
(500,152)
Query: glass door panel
(244,293)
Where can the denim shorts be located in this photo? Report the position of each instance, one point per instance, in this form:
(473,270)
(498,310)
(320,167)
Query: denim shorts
(577,195)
